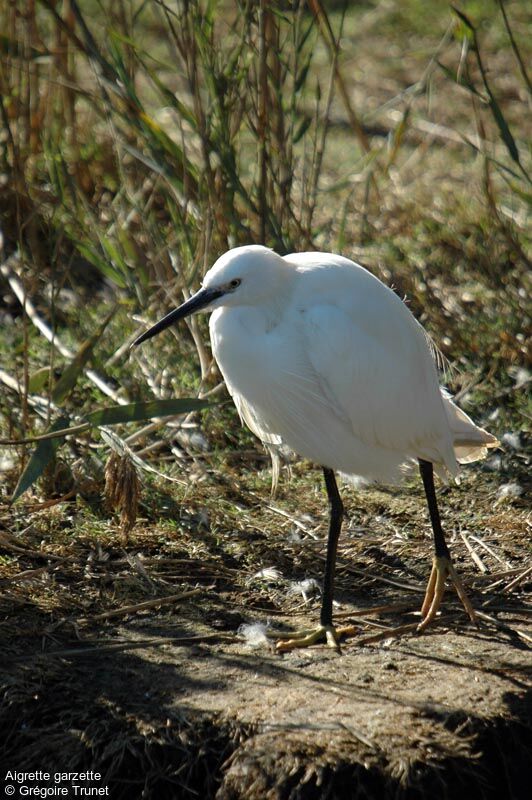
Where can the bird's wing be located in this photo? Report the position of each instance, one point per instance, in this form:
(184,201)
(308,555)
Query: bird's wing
(378,373)
(254,422)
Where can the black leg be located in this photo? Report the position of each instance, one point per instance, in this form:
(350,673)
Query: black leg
(442,567)
(335,524)
(326,629)
(427,475)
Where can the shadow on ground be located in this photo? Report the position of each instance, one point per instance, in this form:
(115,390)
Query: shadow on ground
(443,715)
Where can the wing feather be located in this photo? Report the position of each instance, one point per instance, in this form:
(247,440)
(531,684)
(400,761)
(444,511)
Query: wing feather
(386,388)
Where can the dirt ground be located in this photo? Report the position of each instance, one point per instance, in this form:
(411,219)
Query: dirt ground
(126,659)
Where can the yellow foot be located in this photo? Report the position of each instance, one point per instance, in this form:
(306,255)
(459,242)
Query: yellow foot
(305,638)
(442,568)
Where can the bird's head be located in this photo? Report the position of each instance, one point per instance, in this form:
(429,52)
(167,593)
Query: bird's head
(248,275)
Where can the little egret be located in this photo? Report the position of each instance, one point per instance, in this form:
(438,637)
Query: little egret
(323,358)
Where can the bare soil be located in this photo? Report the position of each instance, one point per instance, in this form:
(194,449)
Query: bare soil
(126,659)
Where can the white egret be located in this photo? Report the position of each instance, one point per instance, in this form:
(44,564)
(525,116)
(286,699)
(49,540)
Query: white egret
(323,358)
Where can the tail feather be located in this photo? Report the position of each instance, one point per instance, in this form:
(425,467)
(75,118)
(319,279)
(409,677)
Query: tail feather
(470,442)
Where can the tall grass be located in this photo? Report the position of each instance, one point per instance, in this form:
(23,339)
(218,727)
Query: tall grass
(202,130)
(139,143)
(150,138)
(141,140)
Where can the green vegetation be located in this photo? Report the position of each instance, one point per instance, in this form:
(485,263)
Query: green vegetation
(140,141)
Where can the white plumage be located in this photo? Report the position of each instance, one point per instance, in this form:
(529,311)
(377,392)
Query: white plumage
(321,357)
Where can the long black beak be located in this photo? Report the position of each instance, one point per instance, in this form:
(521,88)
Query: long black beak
(197,302)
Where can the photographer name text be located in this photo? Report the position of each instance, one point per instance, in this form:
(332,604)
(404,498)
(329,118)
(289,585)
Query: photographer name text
(22,784)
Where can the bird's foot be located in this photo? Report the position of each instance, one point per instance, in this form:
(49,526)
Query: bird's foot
(327,633)
(442,568)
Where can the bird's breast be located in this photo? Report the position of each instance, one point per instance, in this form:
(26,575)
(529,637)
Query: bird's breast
(244,344)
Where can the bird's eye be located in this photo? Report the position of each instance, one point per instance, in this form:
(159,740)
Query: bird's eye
(235,282)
